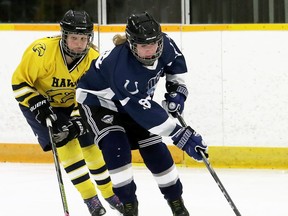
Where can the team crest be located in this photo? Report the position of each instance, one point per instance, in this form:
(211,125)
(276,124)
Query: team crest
(135,90)
(39,48)
(61,95)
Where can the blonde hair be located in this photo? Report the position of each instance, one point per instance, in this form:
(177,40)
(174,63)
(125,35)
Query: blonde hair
(93,46)
(119,39)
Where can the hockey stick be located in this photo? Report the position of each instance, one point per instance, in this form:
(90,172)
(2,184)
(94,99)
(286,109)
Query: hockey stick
(212,172)
(57,166)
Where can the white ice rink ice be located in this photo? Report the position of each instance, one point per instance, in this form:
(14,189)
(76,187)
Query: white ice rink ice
(32,190)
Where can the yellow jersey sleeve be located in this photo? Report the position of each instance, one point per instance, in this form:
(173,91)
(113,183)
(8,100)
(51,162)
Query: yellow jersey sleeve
(28,72)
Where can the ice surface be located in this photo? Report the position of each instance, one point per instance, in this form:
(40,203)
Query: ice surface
(32,190)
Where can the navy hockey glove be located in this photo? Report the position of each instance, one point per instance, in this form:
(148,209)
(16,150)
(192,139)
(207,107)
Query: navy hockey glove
(41,109)
(71,130)
(191,142)
(174,103)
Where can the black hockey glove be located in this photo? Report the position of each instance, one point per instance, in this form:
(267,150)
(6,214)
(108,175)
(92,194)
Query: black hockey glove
(71,130)
(174,103)
(41,109)
(191,142)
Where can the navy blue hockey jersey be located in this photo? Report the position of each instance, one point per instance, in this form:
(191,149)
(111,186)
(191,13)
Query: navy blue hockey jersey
(117,81)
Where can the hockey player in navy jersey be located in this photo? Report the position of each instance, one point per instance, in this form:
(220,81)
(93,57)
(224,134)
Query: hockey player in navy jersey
(116,97)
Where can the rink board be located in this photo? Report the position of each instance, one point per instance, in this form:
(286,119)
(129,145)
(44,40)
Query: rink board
(219,156)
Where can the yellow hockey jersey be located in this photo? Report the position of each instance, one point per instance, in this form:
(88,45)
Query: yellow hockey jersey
(43,70)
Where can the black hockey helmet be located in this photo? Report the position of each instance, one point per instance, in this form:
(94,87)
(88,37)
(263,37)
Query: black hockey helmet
(144,29)
(76,22)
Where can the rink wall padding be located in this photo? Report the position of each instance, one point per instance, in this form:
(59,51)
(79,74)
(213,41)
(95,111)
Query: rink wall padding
(219,156)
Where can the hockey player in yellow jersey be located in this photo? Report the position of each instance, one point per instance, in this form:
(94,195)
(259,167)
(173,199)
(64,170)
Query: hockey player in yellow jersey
(44,85)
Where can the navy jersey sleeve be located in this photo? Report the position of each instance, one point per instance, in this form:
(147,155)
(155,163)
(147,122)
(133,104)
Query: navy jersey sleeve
(171,52)
(175,69)
(86,82)
(93,88)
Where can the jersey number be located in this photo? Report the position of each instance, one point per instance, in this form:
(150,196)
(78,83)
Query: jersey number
(145,103)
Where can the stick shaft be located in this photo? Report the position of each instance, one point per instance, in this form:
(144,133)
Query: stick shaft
(213,173)
(57,167)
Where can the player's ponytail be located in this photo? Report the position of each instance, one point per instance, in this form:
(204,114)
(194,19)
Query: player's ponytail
(119,39)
